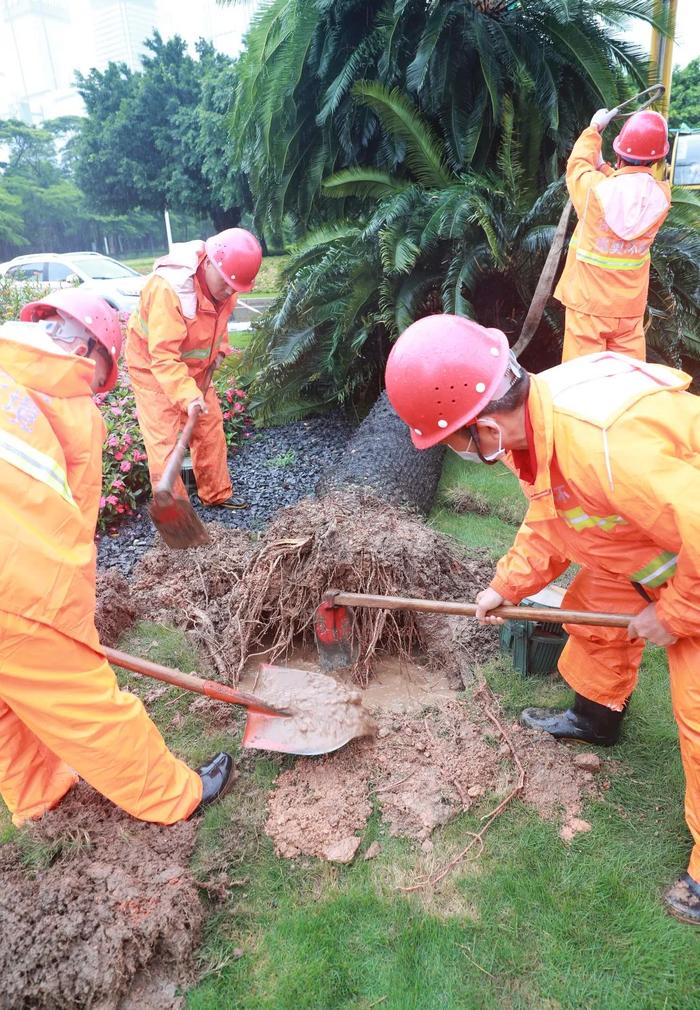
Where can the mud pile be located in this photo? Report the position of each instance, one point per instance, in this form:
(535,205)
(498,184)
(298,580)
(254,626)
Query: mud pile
(359,543)
(243,595)
(115,611)
(423,768)
(108,915)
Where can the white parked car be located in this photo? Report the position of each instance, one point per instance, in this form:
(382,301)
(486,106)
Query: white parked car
(107,277)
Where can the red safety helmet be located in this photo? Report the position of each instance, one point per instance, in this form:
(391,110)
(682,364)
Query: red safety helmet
(95,314)
(441,373)
(644,137)
(237,256)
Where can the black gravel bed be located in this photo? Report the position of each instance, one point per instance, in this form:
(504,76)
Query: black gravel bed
(274,468)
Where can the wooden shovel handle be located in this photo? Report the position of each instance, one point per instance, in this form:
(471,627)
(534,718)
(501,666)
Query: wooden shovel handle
(551,614)
(174,464)
(190,682)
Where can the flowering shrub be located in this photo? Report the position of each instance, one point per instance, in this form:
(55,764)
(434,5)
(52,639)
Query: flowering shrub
(125,479)
(15,294)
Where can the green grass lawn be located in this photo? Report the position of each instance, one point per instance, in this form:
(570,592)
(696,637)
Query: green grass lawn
(533,924)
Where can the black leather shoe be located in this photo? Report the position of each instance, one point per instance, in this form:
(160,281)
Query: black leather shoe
(217,778)
(231,505)
(586,721)
(682,900)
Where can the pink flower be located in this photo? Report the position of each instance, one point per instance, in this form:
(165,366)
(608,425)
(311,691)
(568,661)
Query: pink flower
(112,441)
(116,411)
(103,502)
(126,466)
(120,508)
(239,408)
(112,499)
(117,483)
(128,439)
(229,395)
(240,393)
(118,456)
(227,415)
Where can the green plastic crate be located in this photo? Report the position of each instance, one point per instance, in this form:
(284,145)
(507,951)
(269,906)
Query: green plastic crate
(535,646)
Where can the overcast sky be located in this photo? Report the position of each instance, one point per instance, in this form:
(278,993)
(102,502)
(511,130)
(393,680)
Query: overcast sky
(228,23)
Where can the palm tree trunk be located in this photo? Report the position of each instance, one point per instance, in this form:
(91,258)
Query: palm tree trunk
(381,456)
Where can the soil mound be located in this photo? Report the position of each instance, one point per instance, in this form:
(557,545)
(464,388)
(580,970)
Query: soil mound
(423,768)
(356,542)
(109,904)
(244,595)
(115,611)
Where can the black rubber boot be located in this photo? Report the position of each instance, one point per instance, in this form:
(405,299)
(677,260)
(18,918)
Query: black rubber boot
(586,721)
(217,778)
(682,900)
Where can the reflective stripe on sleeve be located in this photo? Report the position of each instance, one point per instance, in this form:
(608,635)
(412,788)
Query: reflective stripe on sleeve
(657,571)
(35,464)
(577,519)
(198,352)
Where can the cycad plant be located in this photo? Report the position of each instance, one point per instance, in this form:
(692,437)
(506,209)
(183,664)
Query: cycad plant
(438,240)
(435,241)
(459,61)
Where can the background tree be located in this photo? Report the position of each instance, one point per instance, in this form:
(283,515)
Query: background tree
(157,138)
(41,207)
(685,96)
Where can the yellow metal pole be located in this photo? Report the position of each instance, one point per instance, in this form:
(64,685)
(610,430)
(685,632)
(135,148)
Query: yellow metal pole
(662,51)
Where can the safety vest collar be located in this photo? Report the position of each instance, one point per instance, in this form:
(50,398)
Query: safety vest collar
(60,375)
(599,388)
(539,493)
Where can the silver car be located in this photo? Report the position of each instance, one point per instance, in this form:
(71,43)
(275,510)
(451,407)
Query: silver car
(107,277)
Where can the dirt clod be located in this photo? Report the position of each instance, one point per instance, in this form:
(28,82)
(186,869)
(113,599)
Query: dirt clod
(431,766)
(115,611)
(574,827)
(588,762)
(110,904)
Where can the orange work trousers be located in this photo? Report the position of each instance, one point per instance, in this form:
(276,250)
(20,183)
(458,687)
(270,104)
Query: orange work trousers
(161,423)
(62,715)
(584,334)
(601,664)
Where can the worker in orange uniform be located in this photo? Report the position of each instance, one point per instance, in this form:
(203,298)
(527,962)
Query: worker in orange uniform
(62,714)
(177,332)
(605,282)
(607,449)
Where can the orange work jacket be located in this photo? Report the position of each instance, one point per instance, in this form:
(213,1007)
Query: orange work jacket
(51,437)
(619,213)
(176,330)
(617,486)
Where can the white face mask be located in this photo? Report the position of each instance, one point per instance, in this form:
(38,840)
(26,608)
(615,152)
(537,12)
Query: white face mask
(471,457)
(474,457)
(500,451)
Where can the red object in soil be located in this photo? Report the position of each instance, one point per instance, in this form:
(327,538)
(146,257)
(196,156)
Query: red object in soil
(331,624)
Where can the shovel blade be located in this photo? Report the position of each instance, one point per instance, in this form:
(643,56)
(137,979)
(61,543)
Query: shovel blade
(175,520)
(324,714)
(265,732)
(333,634)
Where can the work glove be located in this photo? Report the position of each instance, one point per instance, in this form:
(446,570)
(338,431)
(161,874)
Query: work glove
(197,404)
(602,118)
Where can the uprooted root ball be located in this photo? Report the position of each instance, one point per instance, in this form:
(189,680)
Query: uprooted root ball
(355,542)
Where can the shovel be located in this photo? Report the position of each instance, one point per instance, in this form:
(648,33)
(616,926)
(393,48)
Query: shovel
(333,630)
(174,517)
(304,728)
